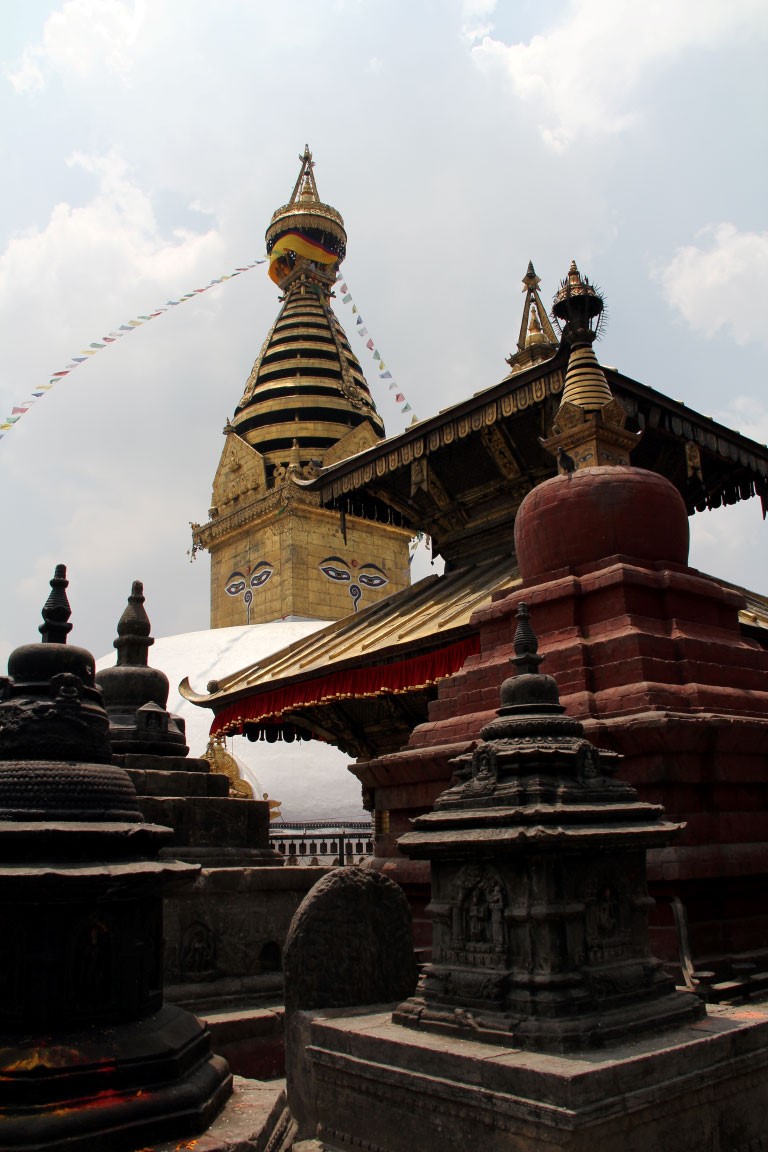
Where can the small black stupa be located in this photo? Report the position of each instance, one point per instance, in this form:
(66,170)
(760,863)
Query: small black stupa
(90,1057)
(539,900)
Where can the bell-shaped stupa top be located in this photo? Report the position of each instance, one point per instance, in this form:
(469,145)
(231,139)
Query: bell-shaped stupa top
(50,707)
(135,695)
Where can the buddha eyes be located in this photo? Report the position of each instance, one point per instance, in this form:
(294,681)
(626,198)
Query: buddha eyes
(239,582)
(334,573)
(372,580)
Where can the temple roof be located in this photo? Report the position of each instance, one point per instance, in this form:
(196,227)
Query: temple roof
(365,682)
(461,475)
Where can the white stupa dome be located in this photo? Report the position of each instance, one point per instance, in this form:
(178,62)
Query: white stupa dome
(310,779)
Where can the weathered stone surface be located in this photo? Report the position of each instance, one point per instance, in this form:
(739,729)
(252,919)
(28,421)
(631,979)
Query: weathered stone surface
(254,1119)
(226,932)
(82,1017)
(350,943)
(539,902)
(701,1088)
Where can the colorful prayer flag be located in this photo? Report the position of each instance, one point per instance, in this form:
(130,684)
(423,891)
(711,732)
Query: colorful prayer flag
(399,398)
(369,345)
(346,299)
(385,375)
(377,355)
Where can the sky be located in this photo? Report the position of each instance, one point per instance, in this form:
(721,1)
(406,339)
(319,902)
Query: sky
(147,145)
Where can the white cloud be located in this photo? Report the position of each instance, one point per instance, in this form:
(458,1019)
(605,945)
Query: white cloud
(26,75)
(721,283)
(82,38)
(583,74)
(114,237)
(475,19)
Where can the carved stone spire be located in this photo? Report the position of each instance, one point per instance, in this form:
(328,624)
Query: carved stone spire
(135,695)
(133,627)
(56,610)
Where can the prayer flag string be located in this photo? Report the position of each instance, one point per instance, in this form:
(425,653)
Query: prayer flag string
(18,410)
(381,367)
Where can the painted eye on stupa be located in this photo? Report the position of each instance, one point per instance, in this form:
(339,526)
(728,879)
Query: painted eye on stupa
(371,576)
(235,584)
(260,576)
(335,568)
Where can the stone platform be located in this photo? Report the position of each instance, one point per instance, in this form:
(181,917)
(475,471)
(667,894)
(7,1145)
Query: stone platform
(255,1119)
(371,1084)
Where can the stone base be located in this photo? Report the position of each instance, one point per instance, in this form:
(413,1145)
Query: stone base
(556,1033)
(369,1083)
(110,1087)
(254,1119)
(251,1040)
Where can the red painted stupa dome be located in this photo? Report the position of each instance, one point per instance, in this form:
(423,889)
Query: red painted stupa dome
(580,518)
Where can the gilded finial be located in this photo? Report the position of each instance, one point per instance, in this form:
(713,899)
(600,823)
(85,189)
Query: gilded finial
(589,428)
(537,340)
(56,610)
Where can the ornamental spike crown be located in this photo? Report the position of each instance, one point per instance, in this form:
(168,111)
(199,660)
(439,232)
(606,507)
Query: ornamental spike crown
(589,426)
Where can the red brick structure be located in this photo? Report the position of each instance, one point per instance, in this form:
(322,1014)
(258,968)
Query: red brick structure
(649,654)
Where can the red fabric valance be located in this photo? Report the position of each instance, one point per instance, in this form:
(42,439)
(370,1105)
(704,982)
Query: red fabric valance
(345,684)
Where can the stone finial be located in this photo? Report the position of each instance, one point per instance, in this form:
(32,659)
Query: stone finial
(56,610)
(525,643)
(133,638)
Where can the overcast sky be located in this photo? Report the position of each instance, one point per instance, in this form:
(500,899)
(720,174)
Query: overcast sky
(147,145)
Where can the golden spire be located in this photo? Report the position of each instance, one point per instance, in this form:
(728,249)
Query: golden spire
(306,240)
(589,426)
(537,340)
(305,187)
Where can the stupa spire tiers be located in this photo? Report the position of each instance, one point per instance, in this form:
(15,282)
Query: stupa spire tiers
(537,340)
(589,428)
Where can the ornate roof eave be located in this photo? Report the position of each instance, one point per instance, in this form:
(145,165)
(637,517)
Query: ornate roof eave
(514,393)
(739,466)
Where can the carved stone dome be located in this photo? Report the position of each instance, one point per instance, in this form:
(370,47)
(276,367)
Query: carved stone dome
(580,518)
